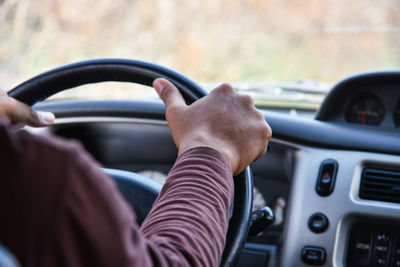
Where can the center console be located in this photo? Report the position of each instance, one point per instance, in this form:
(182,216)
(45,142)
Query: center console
(372,244)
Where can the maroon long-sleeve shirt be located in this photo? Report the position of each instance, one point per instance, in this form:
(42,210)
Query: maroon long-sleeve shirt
(57,208)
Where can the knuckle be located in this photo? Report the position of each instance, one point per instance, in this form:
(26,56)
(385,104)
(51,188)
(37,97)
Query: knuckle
(33,115)
(10,108)
(225,88)
(11,105)
(246,100)
(267,132)
(167,92)
(259,115)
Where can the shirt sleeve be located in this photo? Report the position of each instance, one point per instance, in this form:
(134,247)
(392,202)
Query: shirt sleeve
(189,220)
(186,226)
(60,209)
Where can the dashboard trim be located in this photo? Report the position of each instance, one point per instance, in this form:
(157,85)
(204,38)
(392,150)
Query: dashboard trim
(286,127)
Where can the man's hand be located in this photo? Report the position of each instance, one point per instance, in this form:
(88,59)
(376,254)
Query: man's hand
(223,120)
(19,113)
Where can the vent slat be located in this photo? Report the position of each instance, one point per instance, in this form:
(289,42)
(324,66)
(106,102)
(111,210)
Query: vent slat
(381,196)
(376,177)
(381,185)
(379,192)
(381,173)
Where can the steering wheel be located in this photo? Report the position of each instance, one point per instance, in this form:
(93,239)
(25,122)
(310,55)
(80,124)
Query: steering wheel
(141,192)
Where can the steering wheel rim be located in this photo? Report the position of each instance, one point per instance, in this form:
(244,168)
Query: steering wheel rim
(124,70)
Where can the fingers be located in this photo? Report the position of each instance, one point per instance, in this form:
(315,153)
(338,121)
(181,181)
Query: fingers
(266,134)
(169,94)
(20,113)
(45,118)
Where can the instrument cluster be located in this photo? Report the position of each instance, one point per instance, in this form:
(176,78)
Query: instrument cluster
(368,108)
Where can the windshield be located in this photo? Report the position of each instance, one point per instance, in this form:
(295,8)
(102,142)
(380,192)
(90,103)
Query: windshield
(272,46)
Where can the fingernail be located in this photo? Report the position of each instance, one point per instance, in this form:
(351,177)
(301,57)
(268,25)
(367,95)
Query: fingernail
(45,117)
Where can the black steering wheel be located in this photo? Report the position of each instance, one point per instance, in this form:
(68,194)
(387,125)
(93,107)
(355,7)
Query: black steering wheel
(140,192)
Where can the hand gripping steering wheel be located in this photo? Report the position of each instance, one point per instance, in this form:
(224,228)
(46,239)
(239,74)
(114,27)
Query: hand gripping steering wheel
(139,191)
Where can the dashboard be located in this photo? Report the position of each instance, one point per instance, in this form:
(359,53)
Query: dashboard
(355,221)
(334,180)
(369,99)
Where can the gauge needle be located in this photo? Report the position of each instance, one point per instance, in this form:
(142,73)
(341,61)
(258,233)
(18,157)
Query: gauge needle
(363,121)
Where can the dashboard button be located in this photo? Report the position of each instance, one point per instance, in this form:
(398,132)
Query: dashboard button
(313,255)
(361,254)
(318,222)
(382,249)
(382,245)
(326,177)
(396,249)
(382,237)
(381,262)
(397,252)
(361,246)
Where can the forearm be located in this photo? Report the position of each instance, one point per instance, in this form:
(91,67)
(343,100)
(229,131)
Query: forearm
(189,220)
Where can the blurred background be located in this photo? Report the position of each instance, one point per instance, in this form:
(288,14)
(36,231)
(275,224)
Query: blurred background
(207,40)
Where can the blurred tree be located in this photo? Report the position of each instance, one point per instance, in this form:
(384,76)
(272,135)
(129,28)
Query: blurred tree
(208,40)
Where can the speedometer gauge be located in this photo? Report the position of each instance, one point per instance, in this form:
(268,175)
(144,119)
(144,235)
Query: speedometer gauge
(366,108)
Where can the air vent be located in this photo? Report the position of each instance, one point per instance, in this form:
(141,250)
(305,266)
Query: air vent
(382,185)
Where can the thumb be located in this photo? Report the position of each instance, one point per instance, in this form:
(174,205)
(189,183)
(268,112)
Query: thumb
(168,93)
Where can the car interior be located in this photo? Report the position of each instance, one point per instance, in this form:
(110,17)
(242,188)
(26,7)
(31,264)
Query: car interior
(332,181)
(325,75)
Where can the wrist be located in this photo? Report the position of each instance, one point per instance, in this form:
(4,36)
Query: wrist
(228,154)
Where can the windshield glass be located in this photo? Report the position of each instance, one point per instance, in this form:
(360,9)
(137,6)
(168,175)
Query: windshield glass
(282,49)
